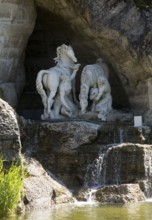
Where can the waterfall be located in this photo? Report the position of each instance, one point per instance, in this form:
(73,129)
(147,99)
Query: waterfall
(93,177)
(117,163)
(123,163)
(148,174)
(121,135)
(104,171)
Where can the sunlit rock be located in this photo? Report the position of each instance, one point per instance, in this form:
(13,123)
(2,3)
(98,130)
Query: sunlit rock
(41,190)
(125,193)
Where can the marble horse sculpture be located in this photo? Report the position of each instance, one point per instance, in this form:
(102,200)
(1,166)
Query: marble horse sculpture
(50,80)
(95,86)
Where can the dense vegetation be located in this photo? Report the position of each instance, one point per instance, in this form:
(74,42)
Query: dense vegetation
(11,185)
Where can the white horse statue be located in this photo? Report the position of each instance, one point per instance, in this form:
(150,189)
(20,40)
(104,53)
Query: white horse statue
(95,86)
(92,77)
(50,79)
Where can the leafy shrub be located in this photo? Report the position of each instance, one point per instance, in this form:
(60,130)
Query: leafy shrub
(11,185)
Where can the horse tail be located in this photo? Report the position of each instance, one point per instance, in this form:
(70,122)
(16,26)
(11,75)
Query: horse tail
(39,87)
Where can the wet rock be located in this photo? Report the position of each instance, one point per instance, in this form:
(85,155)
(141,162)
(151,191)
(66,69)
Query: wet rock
(125,193)
(57,145)
(127,163)
(66,148)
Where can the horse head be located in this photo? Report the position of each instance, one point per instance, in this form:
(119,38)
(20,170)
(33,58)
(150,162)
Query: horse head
(65,51)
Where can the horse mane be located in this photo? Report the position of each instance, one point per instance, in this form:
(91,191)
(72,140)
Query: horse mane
(59,52)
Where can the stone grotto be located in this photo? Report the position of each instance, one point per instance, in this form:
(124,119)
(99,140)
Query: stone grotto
(63,139)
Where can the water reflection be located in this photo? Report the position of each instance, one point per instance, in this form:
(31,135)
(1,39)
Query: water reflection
(82,211)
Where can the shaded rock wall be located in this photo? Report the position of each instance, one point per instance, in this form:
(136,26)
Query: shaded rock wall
(17,19)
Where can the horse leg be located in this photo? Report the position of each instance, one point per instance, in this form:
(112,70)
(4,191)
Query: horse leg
(50,101)
(84,91)
(57,107)
(44,116)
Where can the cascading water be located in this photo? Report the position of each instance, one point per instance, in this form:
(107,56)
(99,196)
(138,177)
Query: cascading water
(93,177)
(148,174)
(106,168)
(98,175)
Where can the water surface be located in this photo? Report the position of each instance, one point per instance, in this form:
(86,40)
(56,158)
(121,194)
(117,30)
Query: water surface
(81,211)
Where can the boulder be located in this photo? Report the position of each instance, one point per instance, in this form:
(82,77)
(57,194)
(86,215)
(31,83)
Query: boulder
(10,145)
(41,190)
(125,193)
(57,146)
(127,163)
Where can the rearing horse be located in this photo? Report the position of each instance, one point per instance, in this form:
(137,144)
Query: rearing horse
(51,78)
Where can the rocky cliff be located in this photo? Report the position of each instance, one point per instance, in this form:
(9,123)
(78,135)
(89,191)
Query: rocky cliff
(17,19)
(83,155)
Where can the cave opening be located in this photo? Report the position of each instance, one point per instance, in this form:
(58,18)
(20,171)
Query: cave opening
(51,31)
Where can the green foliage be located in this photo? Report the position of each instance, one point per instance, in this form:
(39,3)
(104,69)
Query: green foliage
(11,185)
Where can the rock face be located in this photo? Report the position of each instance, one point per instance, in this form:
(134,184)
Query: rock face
(42,191)
(67,148)
(10,145)
(129,163)
(123,34)
(57,146)
(17,19)
(125,193)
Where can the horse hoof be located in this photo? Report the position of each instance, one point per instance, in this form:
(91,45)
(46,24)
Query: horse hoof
(44,117)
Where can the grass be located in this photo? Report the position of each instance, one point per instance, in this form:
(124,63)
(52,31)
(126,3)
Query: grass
(11,185)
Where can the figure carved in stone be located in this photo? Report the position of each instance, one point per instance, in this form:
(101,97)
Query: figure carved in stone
(102,100)
(64,100)
(54,79)
(95,85)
